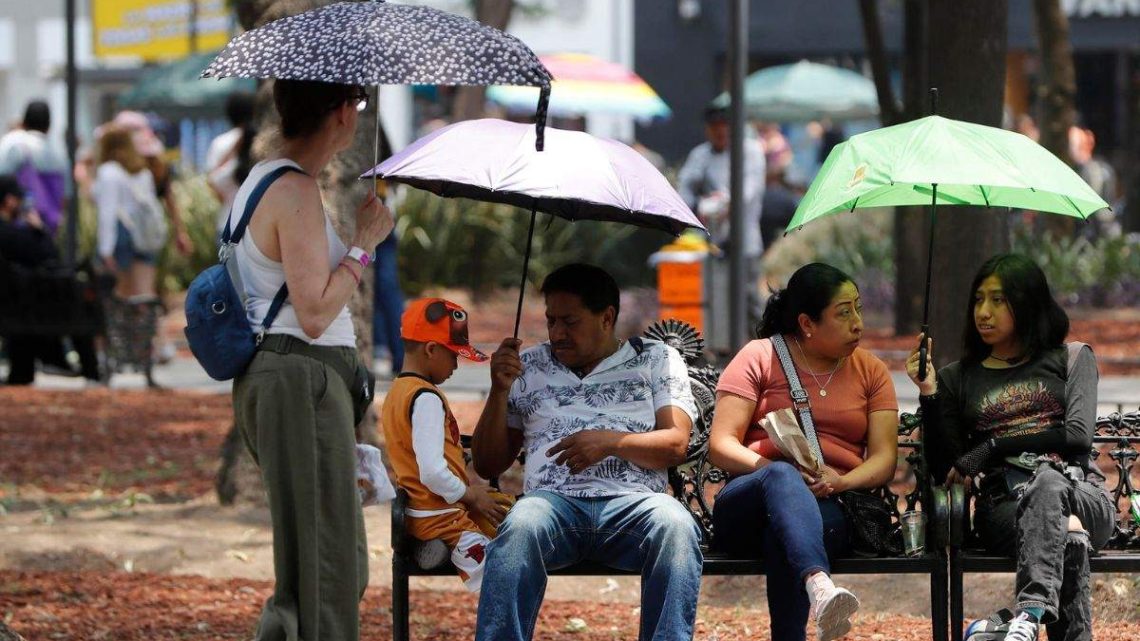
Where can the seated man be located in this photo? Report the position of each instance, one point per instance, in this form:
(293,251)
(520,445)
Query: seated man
(602,420)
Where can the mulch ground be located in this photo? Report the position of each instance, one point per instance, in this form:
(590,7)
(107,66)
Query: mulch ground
(120,606)
(131,607)
(96,445)
(75,445)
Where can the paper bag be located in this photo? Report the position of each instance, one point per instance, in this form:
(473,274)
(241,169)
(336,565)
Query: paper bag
(784,429)
(371,477)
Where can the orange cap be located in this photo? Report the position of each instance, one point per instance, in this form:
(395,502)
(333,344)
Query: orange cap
(440,321)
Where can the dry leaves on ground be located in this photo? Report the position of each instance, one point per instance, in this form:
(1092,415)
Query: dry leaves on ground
(94,606)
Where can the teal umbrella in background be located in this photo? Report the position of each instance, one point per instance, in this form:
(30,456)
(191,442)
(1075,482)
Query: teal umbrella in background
(939,161)
(806,91)
(174,89)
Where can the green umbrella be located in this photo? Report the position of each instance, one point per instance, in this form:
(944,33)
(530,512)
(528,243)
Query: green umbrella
(938,161)
(175,90)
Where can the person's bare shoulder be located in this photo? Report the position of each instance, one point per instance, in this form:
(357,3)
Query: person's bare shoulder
(293,194)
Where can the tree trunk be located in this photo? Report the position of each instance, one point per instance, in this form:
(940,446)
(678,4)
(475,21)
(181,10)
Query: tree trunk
(469,101)
(967,65)
(880,70)
(1057,93)
(237,477)
(1131,219)
(911,226)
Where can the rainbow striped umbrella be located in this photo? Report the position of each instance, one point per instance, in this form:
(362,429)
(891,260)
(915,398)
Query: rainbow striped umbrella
(584,84)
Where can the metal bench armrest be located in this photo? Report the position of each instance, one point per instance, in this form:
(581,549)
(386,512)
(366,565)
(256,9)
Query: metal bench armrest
(959,516)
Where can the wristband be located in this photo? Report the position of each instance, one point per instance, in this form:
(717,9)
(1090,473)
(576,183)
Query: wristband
(360,256)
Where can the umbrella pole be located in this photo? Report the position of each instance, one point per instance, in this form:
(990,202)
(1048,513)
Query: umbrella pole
(526,267)
(922,351)
(376,145)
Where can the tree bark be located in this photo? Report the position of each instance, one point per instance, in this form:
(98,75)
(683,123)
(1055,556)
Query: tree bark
(469,101)
(880,71)
(237,478)
(911,226)
(967,64)
(8,634)
(1131,220)
(1057,93)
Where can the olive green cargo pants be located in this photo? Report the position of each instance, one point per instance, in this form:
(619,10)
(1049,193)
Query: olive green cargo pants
(295,414)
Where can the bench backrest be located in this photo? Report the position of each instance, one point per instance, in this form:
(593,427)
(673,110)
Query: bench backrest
(1117,439)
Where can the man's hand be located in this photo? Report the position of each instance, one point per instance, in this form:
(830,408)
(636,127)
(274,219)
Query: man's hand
(581,450)
(506,366)
(478,499)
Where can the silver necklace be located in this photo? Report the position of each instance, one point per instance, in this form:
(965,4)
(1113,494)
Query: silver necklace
(823,387)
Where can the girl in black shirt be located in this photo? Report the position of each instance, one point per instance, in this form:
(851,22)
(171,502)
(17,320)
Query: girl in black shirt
(1019,410)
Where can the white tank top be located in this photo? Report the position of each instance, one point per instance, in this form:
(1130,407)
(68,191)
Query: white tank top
(262,276)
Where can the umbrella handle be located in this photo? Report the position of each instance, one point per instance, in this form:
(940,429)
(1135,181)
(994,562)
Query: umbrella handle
(922,353)
(526,266)
(540,117)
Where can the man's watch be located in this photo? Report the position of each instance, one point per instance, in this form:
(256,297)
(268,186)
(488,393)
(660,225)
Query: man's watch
(360,256)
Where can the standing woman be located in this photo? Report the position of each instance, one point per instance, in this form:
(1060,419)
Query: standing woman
(293,405)
(1018,389)
(771,505)
(121,183)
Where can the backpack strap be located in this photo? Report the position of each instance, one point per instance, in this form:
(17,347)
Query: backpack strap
(800,397)
(251,204)
(229,240)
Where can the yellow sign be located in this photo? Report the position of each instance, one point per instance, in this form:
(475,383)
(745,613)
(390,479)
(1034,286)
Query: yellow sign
(158,29)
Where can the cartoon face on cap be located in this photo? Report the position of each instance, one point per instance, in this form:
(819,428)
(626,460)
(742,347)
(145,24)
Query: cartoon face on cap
(443,322)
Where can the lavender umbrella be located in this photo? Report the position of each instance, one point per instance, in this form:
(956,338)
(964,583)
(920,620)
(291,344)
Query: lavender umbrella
(577,176)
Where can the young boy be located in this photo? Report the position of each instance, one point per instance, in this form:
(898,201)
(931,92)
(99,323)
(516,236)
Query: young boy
(422,437)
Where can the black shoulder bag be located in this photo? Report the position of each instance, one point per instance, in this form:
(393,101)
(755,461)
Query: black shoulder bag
(870,519)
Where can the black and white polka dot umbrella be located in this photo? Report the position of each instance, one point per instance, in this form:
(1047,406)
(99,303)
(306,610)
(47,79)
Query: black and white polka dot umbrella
(377,43)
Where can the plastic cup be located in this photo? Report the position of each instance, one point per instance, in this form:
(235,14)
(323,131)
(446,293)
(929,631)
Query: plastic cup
(914,533)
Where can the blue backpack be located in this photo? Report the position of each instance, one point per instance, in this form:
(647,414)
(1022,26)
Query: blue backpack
(216,325)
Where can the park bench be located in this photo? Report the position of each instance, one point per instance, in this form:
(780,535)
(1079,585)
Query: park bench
(695,482)
(1117,438)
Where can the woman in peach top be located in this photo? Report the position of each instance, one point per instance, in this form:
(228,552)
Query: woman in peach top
(772,506)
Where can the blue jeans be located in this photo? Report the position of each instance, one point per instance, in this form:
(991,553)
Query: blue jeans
(388,303)
(772,511)
(650,533)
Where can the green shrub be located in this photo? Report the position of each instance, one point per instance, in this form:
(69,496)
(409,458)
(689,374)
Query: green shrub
(446,242)
(859,243)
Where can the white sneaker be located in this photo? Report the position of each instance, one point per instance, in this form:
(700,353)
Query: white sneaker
(430,554)
(831,607)
(1022,628)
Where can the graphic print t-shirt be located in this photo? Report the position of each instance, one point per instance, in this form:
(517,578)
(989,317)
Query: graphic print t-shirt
(1017,401)
(623,393)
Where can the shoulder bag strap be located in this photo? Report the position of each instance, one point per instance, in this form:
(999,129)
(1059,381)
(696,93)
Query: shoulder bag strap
(799,396)
(230,240)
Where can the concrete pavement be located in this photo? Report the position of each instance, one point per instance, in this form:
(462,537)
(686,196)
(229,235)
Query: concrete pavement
(471,382)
